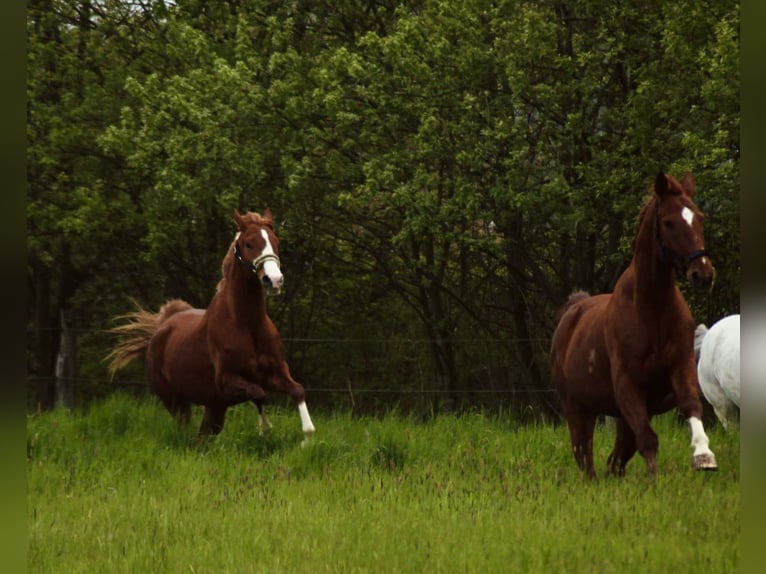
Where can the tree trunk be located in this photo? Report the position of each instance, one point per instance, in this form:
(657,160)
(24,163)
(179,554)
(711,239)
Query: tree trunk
(42,352)
(66,366)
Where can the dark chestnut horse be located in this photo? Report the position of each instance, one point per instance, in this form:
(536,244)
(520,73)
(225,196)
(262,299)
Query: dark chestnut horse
(630,354)
(228,354)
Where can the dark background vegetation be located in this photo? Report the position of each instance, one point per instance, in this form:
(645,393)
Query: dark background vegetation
(442,174)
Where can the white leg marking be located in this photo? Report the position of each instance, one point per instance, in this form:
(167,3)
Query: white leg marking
(699,438)
(308,426)
(688,215)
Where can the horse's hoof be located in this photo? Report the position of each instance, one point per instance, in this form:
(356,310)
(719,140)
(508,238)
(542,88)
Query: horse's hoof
(306,439)
(704,462)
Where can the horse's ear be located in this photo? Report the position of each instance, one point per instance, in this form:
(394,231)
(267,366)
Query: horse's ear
(268,218)
(239,220)
(661,184)
(688,184)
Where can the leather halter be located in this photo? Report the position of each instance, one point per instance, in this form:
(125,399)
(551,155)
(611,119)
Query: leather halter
(665,250)
(256,263)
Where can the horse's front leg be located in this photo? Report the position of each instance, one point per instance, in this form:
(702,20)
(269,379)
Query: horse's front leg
(264,424)
(686,385)
(284,381)
(254,393)
(631,400)
(235,388)
(702,457)
(306,424)
(624,448)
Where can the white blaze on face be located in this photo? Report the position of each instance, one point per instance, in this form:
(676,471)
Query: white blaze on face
(688,215)
(270,267)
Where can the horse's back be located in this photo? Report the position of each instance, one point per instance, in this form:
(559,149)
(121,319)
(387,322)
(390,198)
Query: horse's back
(720,358)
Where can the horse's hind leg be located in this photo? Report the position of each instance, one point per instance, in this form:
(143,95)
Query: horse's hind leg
(179,409)
(624,449)
(581,424)
(182,412)
(212,421)
(727,413)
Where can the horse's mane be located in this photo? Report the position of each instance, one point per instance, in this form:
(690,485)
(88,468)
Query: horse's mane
(253,217)
(641,214)
(674,188)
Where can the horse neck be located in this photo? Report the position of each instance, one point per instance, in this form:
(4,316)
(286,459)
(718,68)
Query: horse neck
(245,294)
(655,279)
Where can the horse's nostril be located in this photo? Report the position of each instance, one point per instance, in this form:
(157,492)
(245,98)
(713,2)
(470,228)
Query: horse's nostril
(700,279)
(266,281)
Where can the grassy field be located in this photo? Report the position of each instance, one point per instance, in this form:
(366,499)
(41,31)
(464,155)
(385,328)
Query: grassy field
(121,489)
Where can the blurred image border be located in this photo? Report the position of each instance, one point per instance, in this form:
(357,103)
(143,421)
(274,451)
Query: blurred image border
(13,248)
(753,274)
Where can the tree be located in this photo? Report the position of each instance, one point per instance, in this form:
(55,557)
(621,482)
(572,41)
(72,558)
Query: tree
(443,173)
(79,200)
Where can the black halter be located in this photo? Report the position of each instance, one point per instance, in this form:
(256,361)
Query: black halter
(668,252)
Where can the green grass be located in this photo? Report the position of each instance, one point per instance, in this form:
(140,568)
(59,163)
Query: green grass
(121,489)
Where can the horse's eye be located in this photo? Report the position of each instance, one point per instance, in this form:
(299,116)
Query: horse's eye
(249,245)
(668,224)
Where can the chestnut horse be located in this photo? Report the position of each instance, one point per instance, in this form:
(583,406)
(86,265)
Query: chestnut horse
(229,353)
(630,354)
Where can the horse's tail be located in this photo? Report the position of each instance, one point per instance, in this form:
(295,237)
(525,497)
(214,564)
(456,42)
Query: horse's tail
(574,297)
(135,334)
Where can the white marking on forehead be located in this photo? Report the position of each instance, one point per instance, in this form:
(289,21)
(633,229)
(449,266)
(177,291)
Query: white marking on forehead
(268,249)
(688,215)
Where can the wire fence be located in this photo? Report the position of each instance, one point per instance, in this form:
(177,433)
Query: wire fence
(372,372)
(310,389)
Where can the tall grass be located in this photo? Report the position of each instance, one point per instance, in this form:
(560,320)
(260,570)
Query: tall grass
(121,489)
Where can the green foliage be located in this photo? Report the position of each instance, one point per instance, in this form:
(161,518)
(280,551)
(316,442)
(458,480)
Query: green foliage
(444,171)
(119,489)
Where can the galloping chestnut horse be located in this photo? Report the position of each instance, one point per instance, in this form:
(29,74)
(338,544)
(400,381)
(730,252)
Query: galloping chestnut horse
(630,354)
(228,354)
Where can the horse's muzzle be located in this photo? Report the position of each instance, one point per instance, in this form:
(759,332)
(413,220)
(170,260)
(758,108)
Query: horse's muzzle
(701,273)
(271,287)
